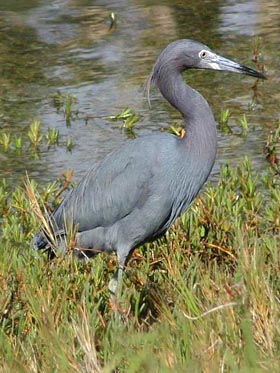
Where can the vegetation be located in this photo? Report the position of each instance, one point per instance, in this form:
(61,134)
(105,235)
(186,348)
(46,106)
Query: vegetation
(272,149)
(34,141)
(223,121)
(205,298)
(128,118)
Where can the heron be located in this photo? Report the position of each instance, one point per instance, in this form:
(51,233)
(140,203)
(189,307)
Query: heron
(135,194)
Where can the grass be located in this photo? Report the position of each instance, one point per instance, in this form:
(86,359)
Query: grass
(204,298)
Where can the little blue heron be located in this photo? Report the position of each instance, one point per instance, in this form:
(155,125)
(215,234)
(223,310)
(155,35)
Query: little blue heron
(136,192)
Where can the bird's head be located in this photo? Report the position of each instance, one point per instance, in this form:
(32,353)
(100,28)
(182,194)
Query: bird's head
(186,54)
(189,54)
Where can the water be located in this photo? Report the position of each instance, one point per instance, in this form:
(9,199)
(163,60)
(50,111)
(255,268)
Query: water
(68,46)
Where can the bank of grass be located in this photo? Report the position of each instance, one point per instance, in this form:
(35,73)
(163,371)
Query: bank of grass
(205,298)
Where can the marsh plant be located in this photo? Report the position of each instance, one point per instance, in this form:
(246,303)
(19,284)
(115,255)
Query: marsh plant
(52,136)
(272,148)
(206,296)
(18,143)
(244,125)
(129,118)
(68,108)
(34,141)
(58,100)
(65,103)
(69,145)
(112,21)
(34,134)
(258,56)
(223,121)
(176,129)
(5,141)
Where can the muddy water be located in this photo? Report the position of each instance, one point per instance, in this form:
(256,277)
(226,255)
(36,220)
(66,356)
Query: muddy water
(69,46)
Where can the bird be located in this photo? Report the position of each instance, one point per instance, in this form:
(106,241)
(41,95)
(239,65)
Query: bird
(136,192)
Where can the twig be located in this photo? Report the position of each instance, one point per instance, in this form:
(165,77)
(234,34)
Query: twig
(222,249)
(218,308)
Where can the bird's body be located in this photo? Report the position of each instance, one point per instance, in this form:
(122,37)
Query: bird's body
(136,192)
(123,206)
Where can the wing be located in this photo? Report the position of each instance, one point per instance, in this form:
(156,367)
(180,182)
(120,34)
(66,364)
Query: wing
(121,183)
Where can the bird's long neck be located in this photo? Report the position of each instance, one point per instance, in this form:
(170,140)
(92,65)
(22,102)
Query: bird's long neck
(200,125)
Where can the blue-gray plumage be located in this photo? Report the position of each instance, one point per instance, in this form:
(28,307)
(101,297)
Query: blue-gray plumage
(136,193)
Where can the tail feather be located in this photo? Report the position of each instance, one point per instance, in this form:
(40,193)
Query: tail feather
(41,242)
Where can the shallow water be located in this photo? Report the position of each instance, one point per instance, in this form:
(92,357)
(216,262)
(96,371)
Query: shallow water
(68,46)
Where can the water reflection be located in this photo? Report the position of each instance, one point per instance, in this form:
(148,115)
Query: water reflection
(240,17)
(69,46)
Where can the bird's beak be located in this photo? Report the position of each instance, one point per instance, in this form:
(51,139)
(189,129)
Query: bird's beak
(221,63)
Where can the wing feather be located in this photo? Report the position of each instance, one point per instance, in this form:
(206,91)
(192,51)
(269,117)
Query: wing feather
(109,192)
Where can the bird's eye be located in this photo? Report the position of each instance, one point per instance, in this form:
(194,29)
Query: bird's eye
(203,54)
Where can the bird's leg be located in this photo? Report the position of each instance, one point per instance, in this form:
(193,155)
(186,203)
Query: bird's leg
(115,284)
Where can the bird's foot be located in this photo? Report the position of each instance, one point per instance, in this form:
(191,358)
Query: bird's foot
(118,309)
(115,304)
